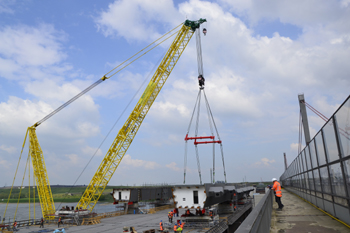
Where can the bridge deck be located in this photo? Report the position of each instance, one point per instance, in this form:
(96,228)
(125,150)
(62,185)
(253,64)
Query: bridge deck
(140,222)
(299,216)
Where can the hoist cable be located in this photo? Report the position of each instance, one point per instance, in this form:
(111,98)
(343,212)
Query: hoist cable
(212,134)
(20,189)
(29,183)
(198,111)
(196,134)
(199,53)
(144,49)
(211,114)
(127,106)
(217,133)
(194,110)
(14,178)
(199,166)
(105,77)
(188,130)
(185,162)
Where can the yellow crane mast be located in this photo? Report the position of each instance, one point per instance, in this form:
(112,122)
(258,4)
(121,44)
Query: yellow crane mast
(127,133)
(40,174)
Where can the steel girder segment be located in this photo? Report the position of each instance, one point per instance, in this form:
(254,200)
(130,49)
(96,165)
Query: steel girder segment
(127,133)
(41,178)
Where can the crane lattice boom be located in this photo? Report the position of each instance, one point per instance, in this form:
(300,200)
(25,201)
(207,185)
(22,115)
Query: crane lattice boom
(127,133)
(41,177)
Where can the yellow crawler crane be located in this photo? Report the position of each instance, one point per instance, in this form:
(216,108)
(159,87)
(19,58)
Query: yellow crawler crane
(41,178)
(127,133)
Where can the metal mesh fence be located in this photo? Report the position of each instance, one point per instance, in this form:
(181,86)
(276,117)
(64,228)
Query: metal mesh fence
(321,172)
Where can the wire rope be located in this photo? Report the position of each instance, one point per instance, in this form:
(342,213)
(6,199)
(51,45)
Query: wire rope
(188,130)
(212,134)
(14,178)
(217,133)
(105,77)
(127,106)
(20,188)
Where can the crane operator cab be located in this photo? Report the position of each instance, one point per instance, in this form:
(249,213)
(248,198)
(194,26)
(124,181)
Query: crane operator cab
(201,81)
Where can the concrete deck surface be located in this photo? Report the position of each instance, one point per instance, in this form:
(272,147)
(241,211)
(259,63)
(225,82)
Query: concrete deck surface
(141,222)
(299,216)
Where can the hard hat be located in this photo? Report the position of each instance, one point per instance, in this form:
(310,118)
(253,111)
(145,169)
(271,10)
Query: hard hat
(274,179)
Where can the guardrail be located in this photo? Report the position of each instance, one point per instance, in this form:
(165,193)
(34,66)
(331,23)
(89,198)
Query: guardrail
(21,223)
(259,220)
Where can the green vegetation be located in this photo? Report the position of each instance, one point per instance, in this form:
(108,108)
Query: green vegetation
(59,194)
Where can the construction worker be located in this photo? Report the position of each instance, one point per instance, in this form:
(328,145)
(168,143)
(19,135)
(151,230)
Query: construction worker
(175,227)
(170,217)
(182,225)
(161,226)
(41,222)
(59,222)
(15,225)
(278,193)
(179,229)
(172,214)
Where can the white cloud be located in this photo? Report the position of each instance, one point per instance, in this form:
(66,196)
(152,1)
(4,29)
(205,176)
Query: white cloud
(149,165)
(32,46)
(135,20)
(252,81)
(73,159)
(9,149)
(294,147)
(173,166)
(5,6)
(89,151)
(265,162)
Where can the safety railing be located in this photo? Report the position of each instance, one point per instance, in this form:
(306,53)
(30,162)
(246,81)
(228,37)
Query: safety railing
(320,174)
(259,220)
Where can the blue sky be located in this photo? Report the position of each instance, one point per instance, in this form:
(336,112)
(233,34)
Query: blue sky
(258,56)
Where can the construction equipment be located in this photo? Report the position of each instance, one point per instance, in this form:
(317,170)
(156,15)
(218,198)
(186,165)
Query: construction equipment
(196,138)
(126,134)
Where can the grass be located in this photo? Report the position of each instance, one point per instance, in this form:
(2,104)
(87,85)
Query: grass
(59,194)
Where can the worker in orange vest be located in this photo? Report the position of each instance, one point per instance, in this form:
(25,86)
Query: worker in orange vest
(175,228)
(15,225)
(278,193)
(170,217)
(182,225)
(161,226)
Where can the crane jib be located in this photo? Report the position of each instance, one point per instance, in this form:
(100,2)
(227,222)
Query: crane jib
(127,133)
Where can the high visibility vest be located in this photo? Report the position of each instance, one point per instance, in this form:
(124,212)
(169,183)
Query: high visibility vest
(161,226)
(15,224)
(175,227)
(277,188)
(179,229)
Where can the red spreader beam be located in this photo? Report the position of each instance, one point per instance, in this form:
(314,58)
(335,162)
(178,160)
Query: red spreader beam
(204,137)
